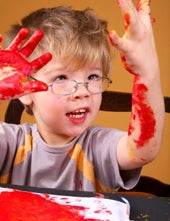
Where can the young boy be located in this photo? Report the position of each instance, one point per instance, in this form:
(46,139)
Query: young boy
(62,150)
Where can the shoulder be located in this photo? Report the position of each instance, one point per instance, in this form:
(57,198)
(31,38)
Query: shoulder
(96,135)
(102,132)
(9,130)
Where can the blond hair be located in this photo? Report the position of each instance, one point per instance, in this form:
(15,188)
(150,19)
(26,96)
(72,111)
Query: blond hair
(77,38)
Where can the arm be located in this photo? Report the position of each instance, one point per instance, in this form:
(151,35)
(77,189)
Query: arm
(15,69)
(138,53)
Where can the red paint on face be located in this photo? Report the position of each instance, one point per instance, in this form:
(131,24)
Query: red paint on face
(143,112)
(21,206)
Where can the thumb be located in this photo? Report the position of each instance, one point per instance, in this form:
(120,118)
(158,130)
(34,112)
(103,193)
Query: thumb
(34,86)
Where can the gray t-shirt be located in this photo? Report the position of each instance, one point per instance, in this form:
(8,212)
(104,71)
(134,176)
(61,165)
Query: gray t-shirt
(87,163)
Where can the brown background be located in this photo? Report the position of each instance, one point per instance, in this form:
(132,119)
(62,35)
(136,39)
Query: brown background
(12,11)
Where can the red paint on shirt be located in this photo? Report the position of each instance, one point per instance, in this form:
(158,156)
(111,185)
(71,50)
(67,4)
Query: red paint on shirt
(144,113)
(22,206)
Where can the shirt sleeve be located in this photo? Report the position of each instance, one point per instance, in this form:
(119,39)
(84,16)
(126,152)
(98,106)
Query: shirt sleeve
(11,138)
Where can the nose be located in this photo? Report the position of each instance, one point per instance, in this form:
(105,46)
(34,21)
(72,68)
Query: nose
(81,90)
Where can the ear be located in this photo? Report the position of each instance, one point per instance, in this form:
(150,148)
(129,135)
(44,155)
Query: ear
(26,99)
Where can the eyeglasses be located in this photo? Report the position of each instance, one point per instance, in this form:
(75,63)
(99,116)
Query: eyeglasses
(66,87)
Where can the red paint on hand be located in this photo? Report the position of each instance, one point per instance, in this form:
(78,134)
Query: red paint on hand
(127,20)
(16,85)
(127,66)
(15,69)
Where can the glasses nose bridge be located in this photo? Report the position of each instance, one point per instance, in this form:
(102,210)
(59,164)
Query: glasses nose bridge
(85,84)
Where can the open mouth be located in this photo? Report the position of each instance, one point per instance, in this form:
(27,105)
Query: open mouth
(78,116)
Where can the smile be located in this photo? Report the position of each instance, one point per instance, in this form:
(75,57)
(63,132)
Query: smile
(78,116)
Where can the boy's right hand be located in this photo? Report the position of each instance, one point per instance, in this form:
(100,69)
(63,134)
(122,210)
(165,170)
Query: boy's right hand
(15,69)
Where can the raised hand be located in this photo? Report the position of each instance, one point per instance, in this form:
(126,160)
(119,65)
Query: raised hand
(138,53)
(137,47)
(15,69)
(139,57)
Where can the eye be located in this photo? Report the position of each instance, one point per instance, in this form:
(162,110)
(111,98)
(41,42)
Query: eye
(60,78)
(94,77)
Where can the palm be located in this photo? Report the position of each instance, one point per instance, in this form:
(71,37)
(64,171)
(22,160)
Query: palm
(15,69)
(138,42)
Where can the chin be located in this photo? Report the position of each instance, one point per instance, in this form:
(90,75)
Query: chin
(74,132)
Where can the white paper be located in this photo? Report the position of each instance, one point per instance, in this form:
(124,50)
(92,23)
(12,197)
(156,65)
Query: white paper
(95,208)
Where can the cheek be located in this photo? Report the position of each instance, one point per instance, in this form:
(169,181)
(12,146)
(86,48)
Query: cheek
(46,103)
(55,108)
(48,111)
(97,103)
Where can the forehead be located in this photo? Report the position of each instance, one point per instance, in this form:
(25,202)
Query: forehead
(56,66)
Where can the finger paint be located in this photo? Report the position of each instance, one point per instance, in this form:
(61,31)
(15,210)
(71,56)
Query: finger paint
(18,40)
(143,113)
(127,66)
(15,69)
(17,205)
(14,60)
(16,84)
(127,20)
(142,4)
(31,43)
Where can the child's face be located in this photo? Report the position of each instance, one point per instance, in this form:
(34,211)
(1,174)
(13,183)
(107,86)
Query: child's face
(65,117)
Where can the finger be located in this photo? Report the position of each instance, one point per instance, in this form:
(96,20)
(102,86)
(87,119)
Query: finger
(0,38)
(115,40)
(143,5)
(129,13)
(11,86)
(21,36)
(16,86)
(31,43)
(1,41)
(34,86)
(124,4)
(40,62)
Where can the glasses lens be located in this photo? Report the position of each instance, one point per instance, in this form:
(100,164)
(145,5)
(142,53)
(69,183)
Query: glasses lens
(98,85)
(64,87)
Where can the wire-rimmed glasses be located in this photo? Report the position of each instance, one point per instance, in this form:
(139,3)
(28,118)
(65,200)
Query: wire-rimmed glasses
(68,86)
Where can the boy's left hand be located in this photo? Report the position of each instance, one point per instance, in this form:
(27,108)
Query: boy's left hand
(137,46)
(138,53)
